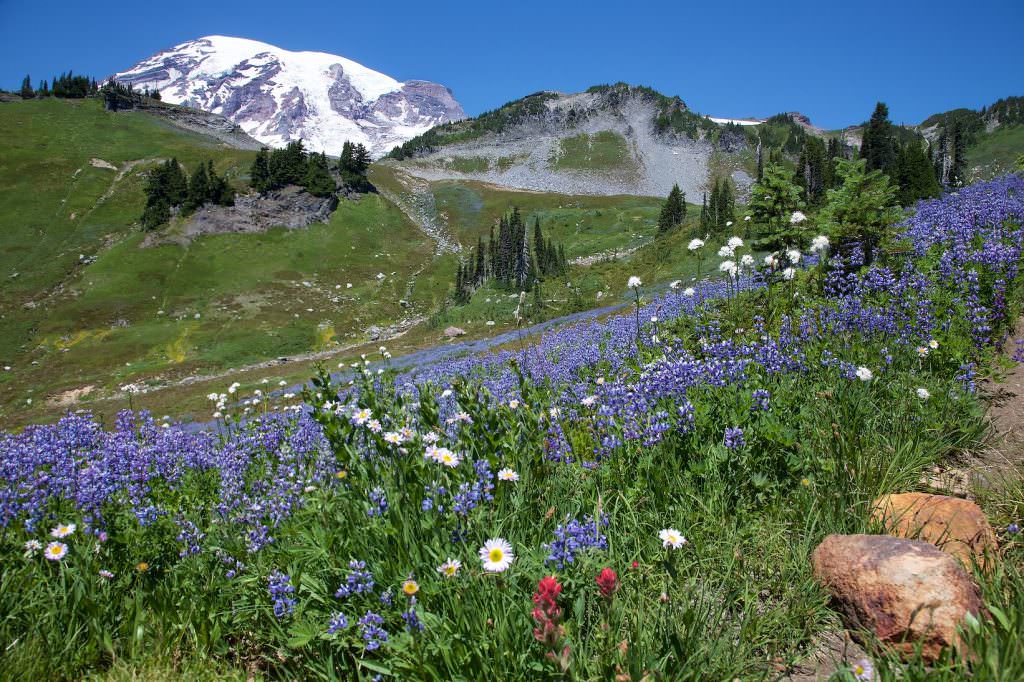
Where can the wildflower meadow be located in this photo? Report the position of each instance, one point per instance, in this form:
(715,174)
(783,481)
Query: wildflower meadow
(630,498)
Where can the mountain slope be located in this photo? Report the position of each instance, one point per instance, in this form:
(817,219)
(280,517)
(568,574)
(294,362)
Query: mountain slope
(277,95)
(609,140)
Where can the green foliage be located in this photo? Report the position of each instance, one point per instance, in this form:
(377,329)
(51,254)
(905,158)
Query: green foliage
(70,86)
(604,150)
(26,88)
(774,198)
(862,209)
(879,147)
(293,165)
(915,175)
(352,165)
(812,173)
(491,121)
(673,212)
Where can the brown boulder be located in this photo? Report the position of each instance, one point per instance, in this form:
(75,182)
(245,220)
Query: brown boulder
(955,526)
(906,592)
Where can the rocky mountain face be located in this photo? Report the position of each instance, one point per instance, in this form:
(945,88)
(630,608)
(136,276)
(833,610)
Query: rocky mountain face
(277,96)
(609,140)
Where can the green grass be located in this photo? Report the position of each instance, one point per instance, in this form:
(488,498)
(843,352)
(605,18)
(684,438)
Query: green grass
(996,153)
(130,316)
(602,151)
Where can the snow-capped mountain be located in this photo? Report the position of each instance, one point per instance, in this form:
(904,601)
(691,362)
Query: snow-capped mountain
(276,95)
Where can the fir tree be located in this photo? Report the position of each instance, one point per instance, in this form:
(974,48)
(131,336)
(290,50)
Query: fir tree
(774,199)
(878,147)
(26,88)
(915,175)
(318,181)
(862,209)
(957,162)
(673,211)
(198,189)
(260,171)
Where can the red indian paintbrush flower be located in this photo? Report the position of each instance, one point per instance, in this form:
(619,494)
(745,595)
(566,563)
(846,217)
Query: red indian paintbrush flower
(607,582)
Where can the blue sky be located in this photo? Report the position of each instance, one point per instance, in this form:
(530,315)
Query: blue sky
(740,58)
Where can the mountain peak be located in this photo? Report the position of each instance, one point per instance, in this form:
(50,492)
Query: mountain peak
(279,95)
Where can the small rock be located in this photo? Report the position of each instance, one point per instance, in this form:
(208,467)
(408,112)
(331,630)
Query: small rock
(955,526)
(907,592)
(452,332)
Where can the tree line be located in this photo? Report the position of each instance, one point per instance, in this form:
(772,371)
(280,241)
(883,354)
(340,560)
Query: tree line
(293,165)
(168,188)
(509,259)
(67,85)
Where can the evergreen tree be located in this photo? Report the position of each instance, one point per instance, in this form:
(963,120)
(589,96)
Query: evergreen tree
(726,205)
(175,183)
(915,175)
(957,162)
(26,88)
(44,89)
(260,171)
(878,147)
(673,211)
(862,209)
(774,199)
(705,215)
(811,171)
(198,189)
(318,181)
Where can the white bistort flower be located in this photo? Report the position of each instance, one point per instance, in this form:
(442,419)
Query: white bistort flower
(634,282)
(793,255)
(695,244)
(725,252)
(819,244)
(747,260)
(690,291)
(797,217)
(789,273)
(923,393)
(728,267)
(734,242)
(676,284)
(496,555)
(865,374)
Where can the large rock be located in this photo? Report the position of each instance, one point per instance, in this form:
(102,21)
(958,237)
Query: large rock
(452,332)
(906,592)
(956,526)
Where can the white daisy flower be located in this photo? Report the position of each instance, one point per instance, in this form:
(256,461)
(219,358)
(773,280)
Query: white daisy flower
(671,538)
(496,555)
(450,568)
(508,475)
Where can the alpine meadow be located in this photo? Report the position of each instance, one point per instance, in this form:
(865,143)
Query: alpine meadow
(310,372)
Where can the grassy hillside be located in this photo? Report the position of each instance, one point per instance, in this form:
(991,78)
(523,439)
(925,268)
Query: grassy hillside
(87,308)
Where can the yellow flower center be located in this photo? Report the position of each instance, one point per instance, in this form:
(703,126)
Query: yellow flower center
(449,570)
(496,555)
(341,474)
(142,566)
(410,587)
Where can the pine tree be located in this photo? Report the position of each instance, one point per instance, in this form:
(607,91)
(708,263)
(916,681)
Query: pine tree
(705,215)
(481,263)
(811,170)
(878,147)
(176,184)
(26,88)
(198,189)
(260,171)
(862,209)
(44,89)
(957,162)
(673,211)
(726,205)
(318,180)
(774,199)
(915,175)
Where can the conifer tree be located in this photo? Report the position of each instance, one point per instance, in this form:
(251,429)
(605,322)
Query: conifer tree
(198,189)
(774,199)
(878,147)
(862,209)
(318,180)
(260,172)
(44,89)
(705,214)
(957,162)
(673,211)
(915,175)
(26,88)
(726,205)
